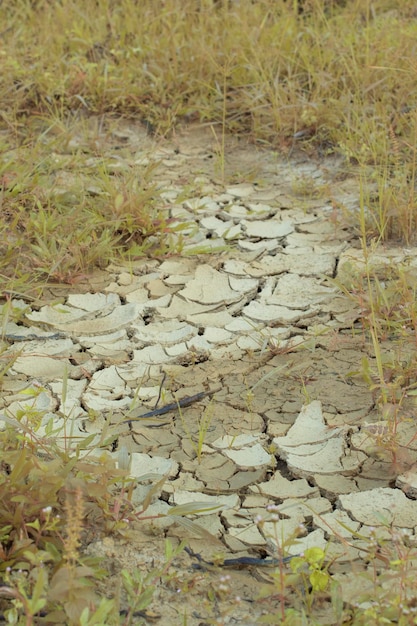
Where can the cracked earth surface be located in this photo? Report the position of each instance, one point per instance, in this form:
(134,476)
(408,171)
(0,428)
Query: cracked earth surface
(249,313)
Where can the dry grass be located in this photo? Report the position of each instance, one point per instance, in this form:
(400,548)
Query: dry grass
(329,76)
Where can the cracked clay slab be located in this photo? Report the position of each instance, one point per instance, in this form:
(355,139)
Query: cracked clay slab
(75,320)
(311,446)
(382,506)
(212,287)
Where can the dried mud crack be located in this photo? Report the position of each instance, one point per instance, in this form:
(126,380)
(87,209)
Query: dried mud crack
(256,331)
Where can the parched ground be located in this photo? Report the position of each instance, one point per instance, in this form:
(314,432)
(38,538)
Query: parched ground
(249,313)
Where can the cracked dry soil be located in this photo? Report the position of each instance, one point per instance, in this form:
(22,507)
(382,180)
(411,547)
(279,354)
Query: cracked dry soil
(257,320)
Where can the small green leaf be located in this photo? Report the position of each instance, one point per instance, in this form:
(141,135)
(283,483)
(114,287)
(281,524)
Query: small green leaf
(37,601)
(36,524)
(319,580)
(314,556)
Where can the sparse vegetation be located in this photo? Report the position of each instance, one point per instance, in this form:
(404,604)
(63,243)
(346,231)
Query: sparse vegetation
(325,76)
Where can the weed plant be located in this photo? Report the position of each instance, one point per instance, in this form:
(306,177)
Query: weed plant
(327,76)
(52,504)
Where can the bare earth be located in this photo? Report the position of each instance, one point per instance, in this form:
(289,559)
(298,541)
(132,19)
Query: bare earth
(250,311)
